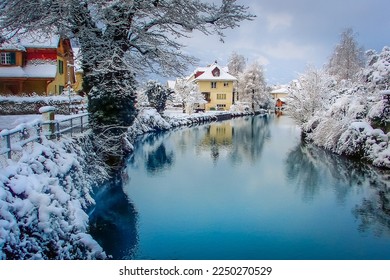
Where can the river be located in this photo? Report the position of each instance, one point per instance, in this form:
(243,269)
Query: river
(245,188)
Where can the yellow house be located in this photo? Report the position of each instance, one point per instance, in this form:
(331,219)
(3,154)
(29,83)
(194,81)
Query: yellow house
(216,85)
(79,73)
(34,63)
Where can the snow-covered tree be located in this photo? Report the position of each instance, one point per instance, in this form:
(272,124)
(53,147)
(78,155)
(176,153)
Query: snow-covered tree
(347,58)
(376,77)
(377,71)
(158,95)
(236,64)
(309,94)
(252,87)
(118,39)
(187,92)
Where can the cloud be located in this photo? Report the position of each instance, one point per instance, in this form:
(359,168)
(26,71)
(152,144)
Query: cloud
(278,21)
(287,50)
(262,60)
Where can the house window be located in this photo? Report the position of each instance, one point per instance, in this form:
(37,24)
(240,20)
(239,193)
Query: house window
(213,84)
(221,106)
(206,96)
(8,58)
(221,96)
(216,72)
(61,89)
(221,130)
(226,84)
(60,67)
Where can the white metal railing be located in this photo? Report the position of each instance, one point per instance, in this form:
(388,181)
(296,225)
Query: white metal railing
(15,139)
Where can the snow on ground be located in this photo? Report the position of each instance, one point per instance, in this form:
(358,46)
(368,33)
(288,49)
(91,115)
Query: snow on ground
(11,121)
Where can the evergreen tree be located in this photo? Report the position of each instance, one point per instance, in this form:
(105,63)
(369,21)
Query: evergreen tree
(157,95)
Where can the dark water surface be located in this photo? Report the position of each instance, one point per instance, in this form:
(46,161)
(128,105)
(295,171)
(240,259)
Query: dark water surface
(243,189)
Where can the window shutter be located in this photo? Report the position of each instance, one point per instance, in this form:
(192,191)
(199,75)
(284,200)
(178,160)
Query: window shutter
(60,66)
(12,58)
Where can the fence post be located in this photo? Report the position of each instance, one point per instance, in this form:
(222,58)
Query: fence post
(81,123)
(48,117)
(58,131)
(8,146)
(71,127)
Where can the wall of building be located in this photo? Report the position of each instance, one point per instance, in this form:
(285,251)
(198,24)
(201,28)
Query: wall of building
(221,90)
(25,87)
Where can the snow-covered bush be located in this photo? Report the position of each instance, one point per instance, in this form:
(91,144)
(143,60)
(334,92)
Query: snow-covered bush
(43,199)
(240,108)
(360,139)
(148,120)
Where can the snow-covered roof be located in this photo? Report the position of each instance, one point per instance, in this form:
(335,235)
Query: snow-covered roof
(42,70)
(31,40)
(280,90)
(210,74)
(385,92)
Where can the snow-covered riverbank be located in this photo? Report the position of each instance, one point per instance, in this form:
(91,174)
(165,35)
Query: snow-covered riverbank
(148,120)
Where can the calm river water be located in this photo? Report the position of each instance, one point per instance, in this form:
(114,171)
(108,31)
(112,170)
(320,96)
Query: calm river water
(246,188)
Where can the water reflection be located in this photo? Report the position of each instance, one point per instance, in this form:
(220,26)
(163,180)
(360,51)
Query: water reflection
(374,211)
(249,137)
(307,165)
(113,221)
(236,140)
(244,189)
(302,170)
(153,150)
(218,136)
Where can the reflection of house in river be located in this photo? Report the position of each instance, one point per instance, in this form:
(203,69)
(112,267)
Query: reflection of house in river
(220,134)
(218,138)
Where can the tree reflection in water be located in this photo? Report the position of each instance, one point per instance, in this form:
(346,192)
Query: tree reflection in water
(113,221)
(374,212)
(307,164)
(155,152)
(249,139)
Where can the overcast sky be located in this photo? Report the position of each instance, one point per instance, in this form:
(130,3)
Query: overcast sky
(288,35)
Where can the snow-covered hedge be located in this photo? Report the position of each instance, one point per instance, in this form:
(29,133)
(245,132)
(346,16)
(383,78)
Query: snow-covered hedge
(43,199)
(15,105)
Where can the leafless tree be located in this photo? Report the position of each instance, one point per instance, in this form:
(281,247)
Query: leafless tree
(347,58)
